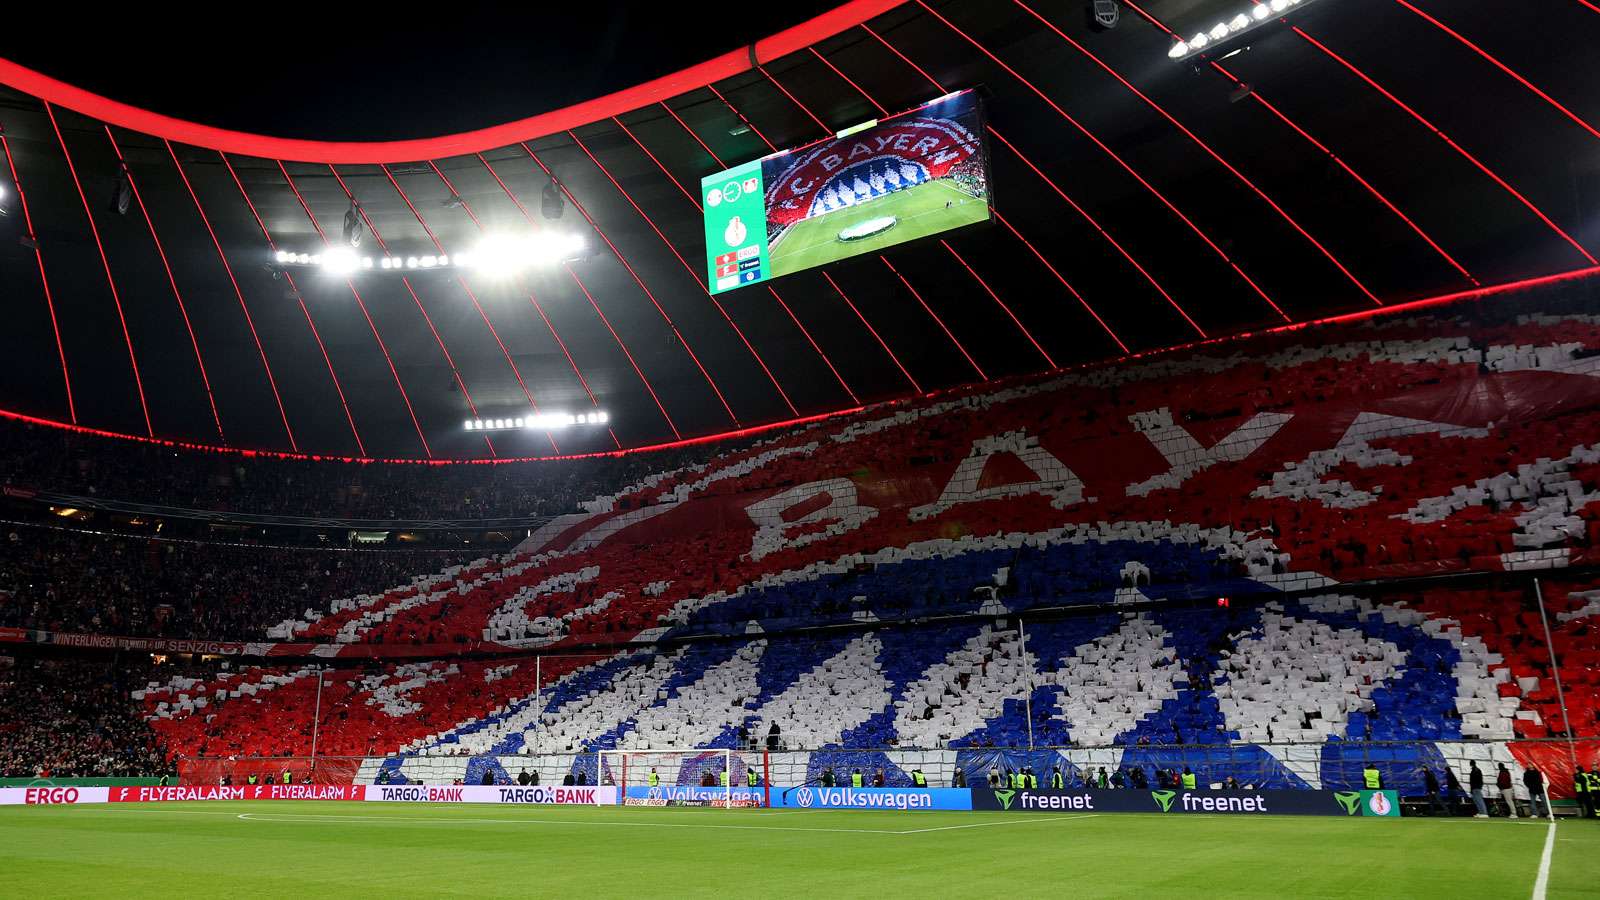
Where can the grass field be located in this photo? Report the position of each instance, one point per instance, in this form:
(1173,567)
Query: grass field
(311,849)
(920,210)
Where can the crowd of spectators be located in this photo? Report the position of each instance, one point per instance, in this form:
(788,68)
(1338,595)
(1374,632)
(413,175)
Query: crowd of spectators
(74,719)
(58,579)
(34,457)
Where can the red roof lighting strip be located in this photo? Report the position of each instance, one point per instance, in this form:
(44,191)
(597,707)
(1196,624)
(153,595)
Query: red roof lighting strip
(249,320)
(590,297)
(671,325)
(828,133)
(973,273)
(791,40)
(361,304)
(1125,167)
(1061,278)
(1392,309)
(1209,152)
(881,342)
(1048,361)
(693,273)
(982,375)
(1579,120)
(1059,192)
(299,298)
(970,270)
(534,299)
(116,297)
(462,281)
(205,380)
(850,81)
(1450,142)
(49,299)
(410,289)
(1376,194)
(1255,94)
(770,289)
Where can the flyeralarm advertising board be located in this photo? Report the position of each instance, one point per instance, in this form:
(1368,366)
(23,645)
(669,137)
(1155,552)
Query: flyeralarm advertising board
(1177,802)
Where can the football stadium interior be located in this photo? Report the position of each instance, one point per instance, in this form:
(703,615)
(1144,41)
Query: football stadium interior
(1102,447)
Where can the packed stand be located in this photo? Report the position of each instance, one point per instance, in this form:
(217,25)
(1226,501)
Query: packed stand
(34,457)
(59,579)
(72,718)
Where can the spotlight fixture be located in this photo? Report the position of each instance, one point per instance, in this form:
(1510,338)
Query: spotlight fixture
(122,198)
(1104,14)
(552,204)
(340,261)
(498,254)
(550,421)
(354,228)
(1233,34)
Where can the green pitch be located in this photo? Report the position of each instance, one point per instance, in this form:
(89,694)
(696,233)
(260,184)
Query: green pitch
(310,849)
(920,210)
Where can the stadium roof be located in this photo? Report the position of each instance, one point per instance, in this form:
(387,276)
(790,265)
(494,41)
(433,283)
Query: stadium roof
(1376,152)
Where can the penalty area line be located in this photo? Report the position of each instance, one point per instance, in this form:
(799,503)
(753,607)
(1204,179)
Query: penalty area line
(303,817)
(1007,822)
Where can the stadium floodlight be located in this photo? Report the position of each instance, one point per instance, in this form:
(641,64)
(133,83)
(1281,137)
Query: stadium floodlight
(340,261)
(1233,34)
(538,421)
(502,254)
(496,255)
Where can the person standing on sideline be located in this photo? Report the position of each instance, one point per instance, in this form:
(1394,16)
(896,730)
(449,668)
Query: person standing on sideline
(1475,784)
(1538,803)
(1502,782)
(1371,778)
(1430,784)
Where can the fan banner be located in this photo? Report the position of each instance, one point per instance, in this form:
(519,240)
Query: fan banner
(1384,803)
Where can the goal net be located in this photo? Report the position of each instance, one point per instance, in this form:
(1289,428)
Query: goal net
(681,778)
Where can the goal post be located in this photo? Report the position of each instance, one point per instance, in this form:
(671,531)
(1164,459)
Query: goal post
(708,776)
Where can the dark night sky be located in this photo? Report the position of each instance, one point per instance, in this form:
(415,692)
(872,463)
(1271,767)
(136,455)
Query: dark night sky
(366,72)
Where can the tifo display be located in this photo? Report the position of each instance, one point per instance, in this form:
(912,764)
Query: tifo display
(890,181)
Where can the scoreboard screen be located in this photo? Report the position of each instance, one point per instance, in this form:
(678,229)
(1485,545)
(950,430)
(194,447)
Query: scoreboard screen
(919,173)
